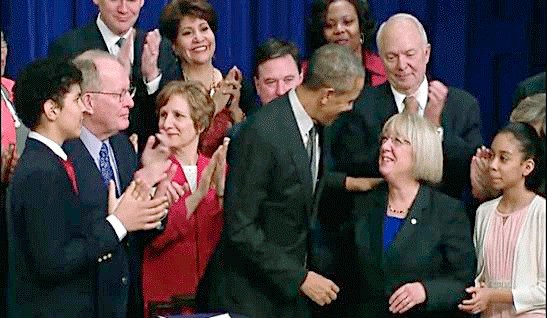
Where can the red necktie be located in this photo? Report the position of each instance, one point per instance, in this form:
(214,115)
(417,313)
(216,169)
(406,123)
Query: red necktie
(69,167)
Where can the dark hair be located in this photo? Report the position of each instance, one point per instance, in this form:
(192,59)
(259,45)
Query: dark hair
(532,147)
(176,10)
(43,80)
(316,24)
(274,48)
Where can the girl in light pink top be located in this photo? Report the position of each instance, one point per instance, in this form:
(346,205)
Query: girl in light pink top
(510,231)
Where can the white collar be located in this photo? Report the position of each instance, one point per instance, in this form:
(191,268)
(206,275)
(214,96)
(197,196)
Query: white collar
(303,120)
(49,143)
(420,94)
(110,38)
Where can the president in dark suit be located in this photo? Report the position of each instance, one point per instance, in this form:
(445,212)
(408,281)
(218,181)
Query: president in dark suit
(408,251)
(262,265)
(114,26)
(102,154)
(55,248)
(405,52)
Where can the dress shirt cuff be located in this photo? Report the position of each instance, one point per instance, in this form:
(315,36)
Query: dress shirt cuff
(120,230)
(153,85)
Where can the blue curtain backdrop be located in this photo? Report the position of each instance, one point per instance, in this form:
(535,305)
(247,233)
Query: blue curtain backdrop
(483,46)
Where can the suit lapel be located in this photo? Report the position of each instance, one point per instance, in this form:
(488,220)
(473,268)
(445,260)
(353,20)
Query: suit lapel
(376,222)
(137,54)
(125,169)
(412,222)
(386,102)
(93,37)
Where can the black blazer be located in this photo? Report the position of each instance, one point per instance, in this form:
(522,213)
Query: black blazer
(355,146)
(118,279)
(143,119)
(262,257)
(53,246)
(434,247)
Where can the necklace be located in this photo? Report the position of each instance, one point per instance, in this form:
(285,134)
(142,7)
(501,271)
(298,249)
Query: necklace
(392,210)
(212,90)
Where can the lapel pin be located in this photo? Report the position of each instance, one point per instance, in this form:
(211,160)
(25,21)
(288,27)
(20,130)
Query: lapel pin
(413,221)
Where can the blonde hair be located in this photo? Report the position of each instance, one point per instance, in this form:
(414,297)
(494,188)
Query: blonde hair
(531,110)
(202,106)
(426,144)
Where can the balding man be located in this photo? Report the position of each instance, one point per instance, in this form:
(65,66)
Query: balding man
(405,51)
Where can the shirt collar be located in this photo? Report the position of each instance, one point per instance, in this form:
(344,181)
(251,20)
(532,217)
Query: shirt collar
(109,37)
(303,120)
(93,144)
(49,143)
(420,94)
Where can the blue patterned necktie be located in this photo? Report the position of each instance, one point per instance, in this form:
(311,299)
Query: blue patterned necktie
(104,163)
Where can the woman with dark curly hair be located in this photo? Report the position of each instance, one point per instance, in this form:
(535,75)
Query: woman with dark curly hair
(349,23)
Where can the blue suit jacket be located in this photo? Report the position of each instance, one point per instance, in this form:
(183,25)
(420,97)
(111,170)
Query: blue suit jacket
(118,278)
(54,246)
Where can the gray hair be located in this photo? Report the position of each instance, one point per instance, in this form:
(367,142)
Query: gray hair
(86,62)
(531,110)
(334,66)
(425,141)
(397,18)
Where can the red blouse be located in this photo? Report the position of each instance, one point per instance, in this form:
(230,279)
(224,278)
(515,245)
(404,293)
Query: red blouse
(175,261)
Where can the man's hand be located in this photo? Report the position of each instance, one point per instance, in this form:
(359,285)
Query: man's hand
(406,297)
(135,213)
(155,150)
(124,55)
(319,289)
(436,98)
(150,54)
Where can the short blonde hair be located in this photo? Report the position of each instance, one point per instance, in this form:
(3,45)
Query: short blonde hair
(425,141)
(531,110)
(202,106)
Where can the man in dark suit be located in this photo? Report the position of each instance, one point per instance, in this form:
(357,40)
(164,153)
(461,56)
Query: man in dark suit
(403,47)
(261,267)
(55,248)
(151,59)
(102,154)
(528,87)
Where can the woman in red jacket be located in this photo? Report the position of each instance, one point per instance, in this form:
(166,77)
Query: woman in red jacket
(175,260)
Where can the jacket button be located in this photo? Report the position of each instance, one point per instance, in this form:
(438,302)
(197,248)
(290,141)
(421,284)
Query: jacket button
(100,260)
(124,280)
(109,255)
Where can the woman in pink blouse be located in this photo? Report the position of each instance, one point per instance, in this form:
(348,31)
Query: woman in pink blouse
(175,260)
(510,231)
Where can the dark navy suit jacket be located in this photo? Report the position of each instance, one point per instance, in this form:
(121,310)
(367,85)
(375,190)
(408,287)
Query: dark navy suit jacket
(54,246)
(119,277)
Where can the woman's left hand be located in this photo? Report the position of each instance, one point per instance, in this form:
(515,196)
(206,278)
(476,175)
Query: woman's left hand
(406,297)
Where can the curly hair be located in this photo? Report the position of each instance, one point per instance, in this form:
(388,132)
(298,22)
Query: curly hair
(43,80)
(367,25)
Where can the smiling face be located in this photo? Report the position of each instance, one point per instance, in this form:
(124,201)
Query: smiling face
(119,15)
(175,120)
(396,156)
(336,103)
(404,54)
(195,42)
(342,25)
(508,168)
(275,77)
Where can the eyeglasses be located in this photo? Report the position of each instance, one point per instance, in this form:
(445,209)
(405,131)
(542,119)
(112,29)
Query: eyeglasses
(131,91)
(396,141)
